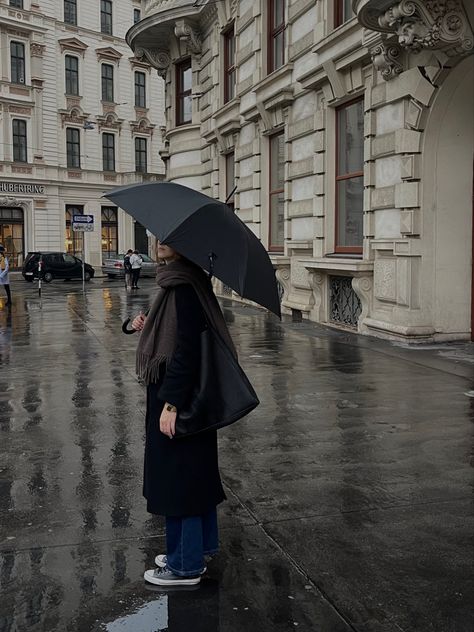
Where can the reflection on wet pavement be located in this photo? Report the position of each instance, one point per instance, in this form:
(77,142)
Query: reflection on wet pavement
(349,488)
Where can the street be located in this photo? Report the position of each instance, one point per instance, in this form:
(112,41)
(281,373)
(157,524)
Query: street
(349,488)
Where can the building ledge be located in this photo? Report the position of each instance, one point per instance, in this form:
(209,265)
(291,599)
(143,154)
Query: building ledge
(338,264)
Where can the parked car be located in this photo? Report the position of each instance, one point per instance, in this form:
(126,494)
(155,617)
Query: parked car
(55,265)
(114,267)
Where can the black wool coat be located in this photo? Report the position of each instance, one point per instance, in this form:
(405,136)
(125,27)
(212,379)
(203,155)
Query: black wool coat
(181,476)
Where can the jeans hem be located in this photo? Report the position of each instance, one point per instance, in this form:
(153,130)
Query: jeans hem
(185,573)
(212,552)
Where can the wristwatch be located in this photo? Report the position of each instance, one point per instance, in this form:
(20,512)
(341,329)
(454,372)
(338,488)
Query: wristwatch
(171,408)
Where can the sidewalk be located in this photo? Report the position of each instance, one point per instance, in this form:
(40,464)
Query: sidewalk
(349,488)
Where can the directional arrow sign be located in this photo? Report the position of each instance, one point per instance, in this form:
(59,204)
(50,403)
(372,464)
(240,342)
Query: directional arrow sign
(83,223)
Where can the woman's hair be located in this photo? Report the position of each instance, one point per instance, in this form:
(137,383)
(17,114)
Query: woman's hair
(135,252)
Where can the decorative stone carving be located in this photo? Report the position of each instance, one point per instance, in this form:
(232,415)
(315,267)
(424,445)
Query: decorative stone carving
(109,121)
(187,33)
(108,54)
(12,201)
(282,274)
(316,281)
(429,24)
(72,44)
(75,116)
(143,126)
(362,286)
(386,58)
(158,58)
(36,49)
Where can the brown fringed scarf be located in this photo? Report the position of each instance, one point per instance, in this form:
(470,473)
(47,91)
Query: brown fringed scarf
(159,335)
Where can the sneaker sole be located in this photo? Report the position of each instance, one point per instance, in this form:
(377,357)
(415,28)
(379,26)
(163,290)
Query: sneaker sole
(182,581)
(159,562)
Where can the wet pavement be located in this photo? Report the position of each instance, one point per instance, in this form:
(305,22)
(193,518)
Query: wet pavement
(350,503)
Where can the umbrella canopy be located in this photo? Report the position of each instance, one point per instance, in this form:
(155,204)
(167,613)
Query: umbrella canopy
(205,231)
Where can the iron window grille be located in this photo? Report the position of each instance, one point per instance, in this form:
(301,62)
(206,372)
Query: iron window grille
(70,12)
(73,148)
(106,17)
(72,75)
(20,153)
(17,60)
(344,304)
(140,155)
(108,151)
(140,90)
(276,192)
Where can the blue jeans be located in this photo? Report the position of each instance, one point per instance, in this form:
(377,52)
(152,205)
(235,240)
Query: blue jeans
(188,540)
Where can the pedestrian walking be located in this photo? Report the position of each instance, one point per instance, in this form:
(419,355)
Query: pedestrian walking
(136,262)
(181,475)
(4,276)
(127,266)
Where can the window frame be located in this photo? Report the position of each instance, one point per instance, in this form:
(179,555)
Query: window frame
(105,149)
(109,231)
(339,18)
(72,4)
(230,73)
(277,248)
(107,83)
(143,151)
(354,250)
(20,149)
(140,87)
(74,237)
(71,143)
(20,63)
(137,12)
(180,69)
(68,72)
(16,4)
(272,34)
(106,17)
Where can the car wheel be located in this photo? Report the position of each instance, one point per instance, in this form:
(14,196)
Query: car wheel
(87,276)
(29,279)
(47,277)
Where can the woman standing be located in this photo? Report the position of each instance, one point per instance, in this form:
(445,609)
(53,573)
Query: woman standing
(136,262)
(181,476)
(4,277)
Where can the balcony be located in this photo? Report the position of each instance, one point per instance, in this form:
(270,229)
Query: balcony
(164,20)
(445,26)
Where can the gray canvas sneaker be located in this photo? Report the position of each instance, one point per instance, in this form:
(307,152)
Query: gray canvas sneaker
(160,561)
(164,577)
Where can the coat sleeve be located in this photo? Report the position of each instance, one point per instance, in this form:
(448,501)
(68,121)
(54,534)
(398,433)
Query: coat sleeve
(3,273)
(182,372)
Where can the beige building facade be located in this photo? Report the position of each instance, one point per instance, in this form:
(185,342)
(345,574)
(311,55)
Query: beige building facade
(348,130)
(79,115)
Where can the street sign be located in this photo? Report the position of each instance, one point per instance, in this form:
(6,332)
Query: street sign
(83,223)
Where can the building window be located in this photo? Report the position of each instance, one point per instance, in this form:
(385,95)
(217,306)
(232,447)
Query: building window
(17,58)
(73,148)
(230,179)
(70,11)
(72,74)
(184,104)
(11,235)
(140,90)
(349,177)
(342,12)
(109,232)
(107,83)
(140,155)
(18,4)
(19,141)
(276,193)
(137,15)
(229,65)
(108,152)
(276,34)
(74,240)
(106,17)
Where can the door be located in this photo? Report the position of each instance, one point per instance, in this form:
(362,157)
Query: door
(11,235)
(141,240)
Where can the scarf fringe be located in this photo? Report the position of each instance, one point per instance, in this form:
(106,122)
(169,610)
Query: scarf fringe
(149,370)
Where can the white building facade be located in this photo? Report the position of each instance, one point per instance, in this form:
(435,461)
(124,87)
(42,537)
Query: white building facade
(348,129)
(79,115)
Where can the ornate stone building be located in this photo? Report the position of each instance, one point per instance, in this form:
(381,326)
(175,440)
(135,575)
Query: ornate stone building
(79,114)
(348,129)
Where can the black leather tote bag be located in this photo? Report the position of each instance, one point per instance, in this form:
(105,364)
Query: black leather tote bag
(223,394)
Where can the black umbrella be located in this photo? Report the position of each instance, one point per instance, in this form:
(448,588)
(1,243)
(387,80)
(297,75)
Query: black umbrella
(205,231)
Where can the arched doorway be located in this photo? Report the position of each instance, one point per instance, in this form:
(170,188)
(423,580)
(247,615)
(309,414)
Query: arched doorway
(447,201)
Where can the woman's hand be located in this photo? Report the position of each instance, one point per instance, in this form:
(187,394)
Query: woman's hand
(168,422)
(139,322)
